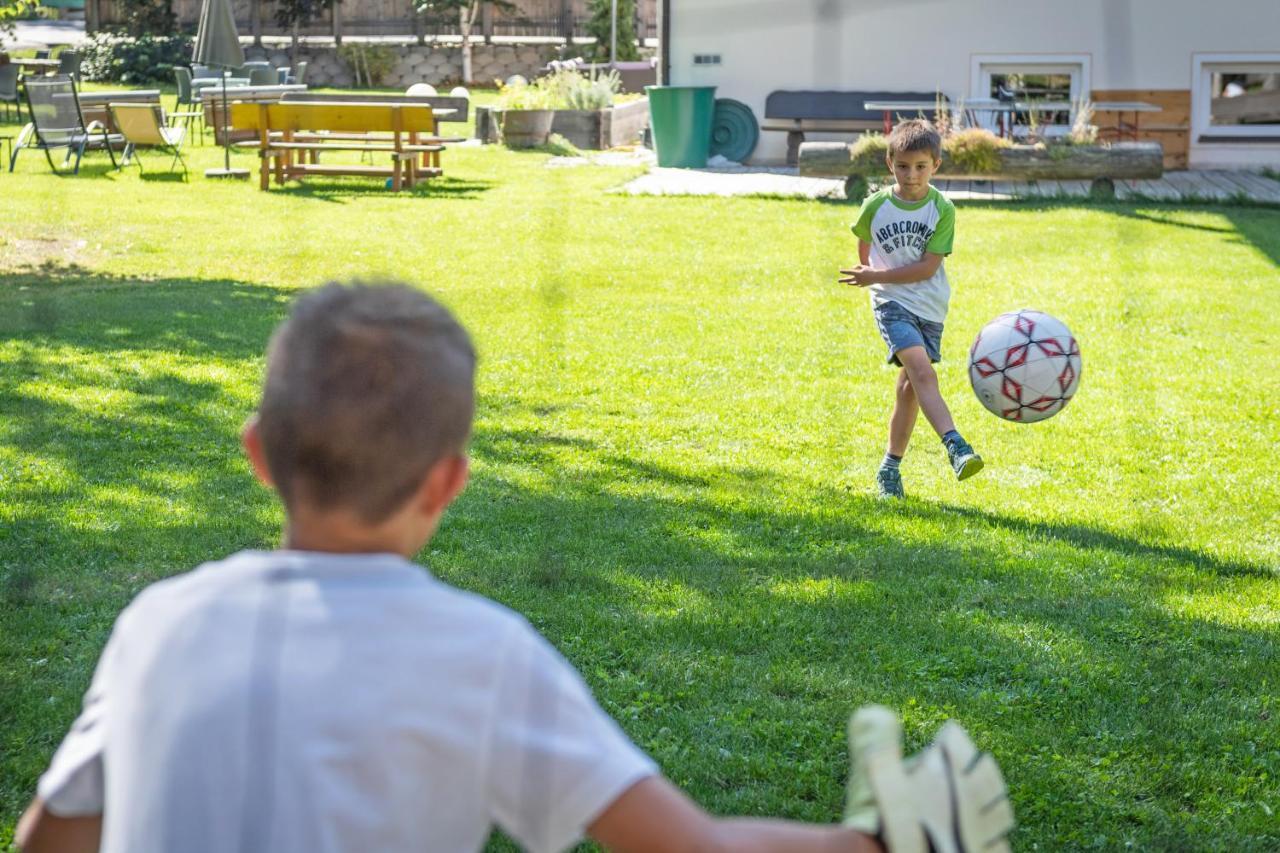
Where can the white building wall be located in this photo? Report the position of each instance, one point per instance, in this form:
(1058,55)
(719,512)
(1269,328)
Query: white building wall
(926,45)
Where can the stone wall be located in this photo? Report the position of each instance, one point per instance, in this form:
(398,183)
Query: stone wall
(434,64)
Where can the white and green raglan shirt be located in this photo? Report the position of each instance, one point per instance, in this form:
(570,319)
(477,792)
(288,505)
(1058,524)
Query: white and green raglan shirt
(900,232)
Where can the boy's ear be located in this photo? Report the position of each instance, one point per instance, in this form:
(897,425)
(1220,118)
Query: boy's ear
(251,440)
(444,481)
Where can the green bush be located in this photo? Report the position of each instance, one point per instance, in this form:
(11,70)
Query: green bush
(600,26)
(868,155)
(975,151)
(108,57)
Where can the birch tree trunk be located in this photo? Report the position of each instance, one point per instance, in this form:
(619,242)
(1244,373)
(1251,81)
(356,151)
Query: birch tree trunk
(466,17)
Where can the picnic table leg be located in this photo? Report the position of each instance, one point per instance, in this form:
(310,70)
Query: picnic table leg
(888,123)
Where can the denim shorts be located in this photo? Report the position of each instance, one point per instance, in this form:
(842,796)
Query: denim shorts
(902,329)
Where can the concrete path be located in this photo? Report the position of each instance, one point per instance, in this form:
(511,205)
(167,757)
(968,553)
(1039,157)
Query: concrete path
(1194,185)
(35,35)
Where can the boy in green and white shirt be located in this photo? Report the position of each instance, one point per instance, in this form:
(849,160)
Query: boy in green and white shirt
(904,232)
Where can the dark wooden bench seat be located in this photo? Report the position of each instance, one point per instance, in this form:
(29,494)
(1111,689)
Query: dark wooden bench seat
(798,112)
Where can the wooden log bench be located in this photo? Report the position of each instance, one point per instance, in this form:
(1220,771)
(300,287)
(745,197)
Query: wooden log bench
(799,112)
(291,136)
(1103,165)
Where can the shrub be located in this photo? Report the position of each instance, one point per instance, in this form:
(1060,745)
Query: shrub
(600,26)
(563,89)
(109,57)
(975,151)
(868,154)
(372,61)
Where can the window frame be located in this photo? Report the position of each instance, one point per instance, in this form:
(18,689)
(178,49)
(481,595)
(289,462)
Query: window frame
(1076,65)
(1203,67)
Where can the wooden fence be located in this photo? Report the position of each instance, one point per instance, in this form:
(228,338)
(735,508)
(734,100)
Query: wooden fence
(539,18)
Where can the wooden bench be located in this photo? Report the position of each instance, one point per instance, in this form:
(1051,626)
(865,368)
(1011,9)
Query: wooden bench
(799,112)
(291,134)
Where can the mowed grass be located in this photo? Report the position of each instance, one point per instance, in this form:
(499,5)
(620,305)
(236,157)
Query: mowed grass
(680,417)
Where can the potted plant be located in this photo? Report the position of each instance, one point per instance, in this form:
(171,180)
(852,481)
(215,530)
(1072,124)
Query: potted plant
(525,113)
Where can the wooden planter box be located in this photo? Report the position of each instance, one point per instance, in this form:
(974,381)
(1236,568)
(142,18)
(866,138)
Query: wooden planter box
(595,130)
(1122,160)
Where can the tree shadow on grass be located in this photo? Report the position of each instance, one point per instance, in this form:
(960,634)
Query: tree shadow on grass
(342,191)
(1257,224)
(729,618)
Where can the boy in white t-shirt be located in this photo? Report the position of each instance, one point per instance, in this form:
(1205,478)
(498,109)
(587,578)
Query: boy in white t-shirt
(904,232)
(333,696)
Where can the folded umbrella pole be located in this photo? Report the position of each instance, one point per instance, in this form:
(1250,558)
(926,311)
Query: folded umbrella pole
(218,44)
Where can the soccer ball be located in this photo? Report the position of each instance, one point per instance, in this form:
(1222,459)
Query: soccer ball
(1025,366)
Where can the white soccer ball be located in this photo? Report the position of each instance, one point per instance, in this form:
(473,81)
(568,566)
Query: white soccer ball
(1025,366)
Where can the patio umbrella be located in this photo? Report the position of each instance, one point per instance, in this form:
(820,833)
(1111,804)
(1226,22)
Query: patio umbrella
(218,45)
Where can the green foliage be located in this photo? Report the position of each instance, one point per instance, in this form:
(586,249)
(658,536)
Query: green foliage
(600,27)
(867,155)
(573,90)
(526,96)
(370,63)
(975,151)
(558,146)
(147,17)
(14,10)
(133,59)
(299,13)
(564,89)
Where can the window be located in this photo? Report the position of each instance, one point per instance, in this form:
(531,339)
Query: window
(1236,97)
(1052,78)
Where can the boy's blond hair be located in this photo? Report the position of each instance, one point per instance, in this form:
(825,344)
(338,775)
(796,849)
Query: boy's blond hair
(916,134)
(367,387)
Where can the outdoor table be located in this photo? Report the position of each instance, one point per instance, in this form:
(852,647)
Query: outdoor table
(1001,108)
(96,105)
(35,64)
(201,83)
(1124,129)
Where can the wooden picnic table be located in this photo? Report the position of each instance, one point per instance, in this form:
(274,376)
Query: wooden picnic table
(1006,108)
(1123,129)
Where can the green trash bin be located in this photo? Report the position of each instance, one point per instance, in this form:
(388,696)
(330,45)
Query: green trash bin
(681,118)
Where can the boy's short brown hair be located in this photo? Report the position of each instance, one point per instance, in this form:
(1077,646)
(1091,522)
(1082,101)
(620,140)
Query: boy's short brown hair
(916,134)
(367,387)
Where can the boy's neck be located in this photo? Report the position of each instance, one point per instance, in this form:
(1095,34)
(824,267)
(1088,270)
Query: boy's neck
(341,533)
(900,193)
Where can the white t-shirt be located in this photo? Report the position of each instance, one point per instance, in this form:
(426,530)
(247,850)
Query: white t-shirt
(900,232)
(293,701)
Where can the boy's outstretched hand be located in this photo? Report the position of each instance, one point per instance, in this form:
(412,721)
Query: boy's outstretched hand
(950,797)
(859,276)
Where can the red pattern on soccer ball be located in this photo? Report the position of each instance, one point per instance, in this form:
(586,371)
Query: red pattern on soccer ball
(1066,377)
(985,367)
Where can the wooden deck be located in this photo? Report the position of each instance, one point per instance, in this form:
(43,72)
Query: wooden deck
(1194,185)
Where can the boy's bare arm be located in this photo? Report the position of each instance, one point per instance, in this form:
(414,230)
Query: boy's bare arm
(864,252)
(909,274)
(654,815)
(40,830)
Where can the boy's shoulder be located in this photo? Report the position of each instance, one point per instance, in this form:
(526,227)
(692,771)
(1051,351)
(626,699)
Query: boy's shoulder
(940,200)
(241,578)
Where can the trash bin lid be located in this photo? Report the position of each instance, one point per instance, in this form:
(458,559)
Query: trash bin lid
(734,130)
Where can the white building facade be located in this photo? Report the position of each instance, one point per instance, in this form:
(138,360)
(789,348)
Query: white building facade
(1192,58)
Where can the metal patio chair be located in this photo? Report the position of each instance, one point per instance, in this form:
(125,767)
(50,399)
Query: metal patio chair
(144,125)
(58,122)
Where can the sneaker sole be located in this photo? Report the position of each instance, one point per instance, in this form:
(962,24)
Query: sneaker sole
(969,467)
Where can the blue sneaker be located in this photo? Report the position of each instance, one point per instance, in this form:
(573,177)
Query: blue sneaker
(889,483)
(963,459)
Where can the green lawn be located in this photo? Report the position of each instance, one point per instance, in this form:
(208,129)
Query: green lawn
(680,417)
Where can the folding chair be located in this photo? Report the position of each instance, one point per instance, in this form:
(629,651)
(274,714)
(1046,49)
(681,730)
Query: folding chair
(145,125)
(9,89)
(58,122)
